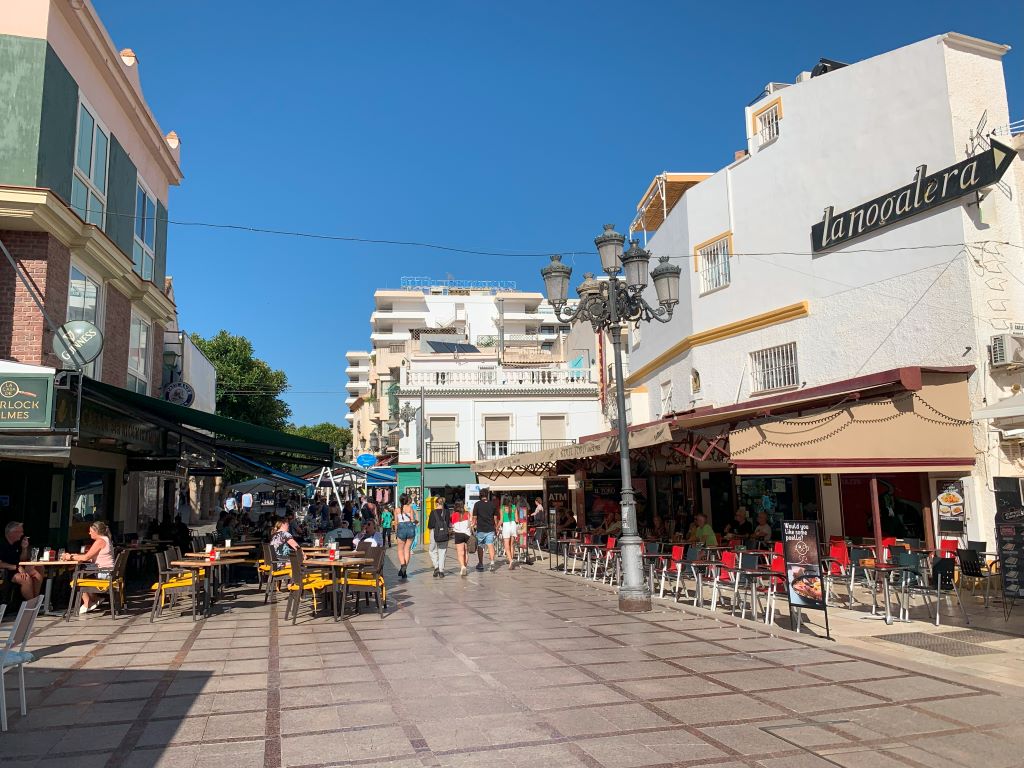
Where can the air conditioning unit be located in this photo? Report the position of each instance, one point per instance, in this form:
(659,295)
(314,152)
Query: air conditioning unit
(1017,328)
(774,88)
(1007,349)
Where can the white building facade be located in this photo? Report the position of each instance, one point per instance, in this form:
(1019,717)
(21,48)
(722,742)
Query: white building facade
(784,342)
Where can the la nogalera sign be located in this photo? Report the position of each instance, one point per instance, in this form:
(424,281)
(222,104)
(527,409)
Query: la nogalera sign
(927,191)
(26,401)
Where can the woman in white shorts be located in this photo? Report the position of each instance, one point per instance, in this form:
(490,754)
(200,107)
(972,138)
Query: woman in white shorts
(509,526)
(462,523)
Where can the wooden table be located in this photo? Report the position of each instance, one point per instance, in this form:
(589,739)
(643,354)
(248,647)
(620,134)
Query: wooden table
(48,589)
(198,565)
(337,566)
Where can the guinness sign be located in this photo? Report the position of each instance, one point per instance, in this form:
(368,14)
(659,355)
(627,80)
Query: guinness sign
(927,191)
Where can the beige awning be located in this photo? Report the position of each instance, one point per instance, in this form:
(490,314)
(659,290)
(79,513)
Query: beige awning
(927,430)
(1010,409)
(540,462)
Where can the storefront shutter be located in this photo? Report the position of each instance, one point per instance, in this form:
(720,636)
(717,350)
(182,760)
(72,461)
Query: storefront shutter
(496,428)
(442,429)
(552,428)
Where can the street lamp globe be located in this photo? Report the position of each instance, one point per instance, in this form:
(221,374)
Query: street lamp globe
(609,248)
(589,287)
(666,282)
(556,281)
(634,265)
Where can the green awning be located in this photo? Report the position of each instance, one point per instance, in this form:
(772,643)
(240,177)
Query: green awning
(238,436)
(436,476)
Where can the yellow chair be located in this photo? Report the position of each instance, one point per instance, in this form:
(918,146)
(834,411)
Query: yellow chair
(274,576)
(302,582)
(112,586)
(172,582)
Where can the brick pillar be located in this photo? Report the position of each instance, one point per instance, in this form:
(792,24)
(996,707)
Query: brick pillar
(116,330)
(156,366)
(24,335)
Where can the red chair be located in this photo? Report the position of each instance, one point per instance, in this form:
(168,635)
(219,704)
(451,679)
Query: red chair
(605,564)
(778,548)
(948,547)
(887,543)
(838,557)
(724,573)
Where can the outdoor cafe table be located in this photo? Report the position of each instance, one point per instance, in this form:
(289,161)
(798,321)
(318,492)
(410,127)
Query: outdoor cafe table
(46,565)
(751,576)
(882,572)
(337,567)
(563,547)
(652,559)
(214,567)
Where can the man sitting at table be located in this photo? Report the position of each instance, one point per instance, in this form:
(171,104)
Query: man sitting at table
(14,549)
(342,534)
(701,532)
(369,533)
(740,528)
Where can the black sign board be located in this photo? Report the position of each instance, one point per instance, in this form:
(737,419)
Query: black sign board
(556,501)
(952,502)
(924,193)
(1010,543)
(803,567)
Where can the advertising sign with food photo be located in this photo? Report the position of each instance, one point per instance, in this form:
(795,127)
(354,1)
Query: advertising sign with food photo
(1010,543)
(803,570)
(951,501)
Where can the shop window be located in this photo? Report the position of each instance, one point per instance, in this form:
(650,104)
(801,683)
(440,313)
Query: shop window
(84,302)
(773,368)
(89,181)
(144,249)
(138,355)
(711,260)
(766,123)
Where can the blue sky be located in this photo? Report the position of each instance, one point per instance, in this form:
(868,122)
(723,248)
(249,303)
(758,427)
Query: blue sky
(517,127)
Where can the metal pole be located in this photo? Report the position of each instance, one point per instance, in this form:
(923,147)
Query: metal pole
(634,596)
(421,429)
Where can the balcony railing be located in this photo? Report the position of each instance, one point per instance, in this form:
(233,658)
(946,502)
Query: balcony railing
(441,453)
(539,378)
(496,449)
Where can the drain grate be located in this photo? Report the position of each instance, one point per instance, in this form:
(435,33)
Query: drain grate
(938,643)
(981,636)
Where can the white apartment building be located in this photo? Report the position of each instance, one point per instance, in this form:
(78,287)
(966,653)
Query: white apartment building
(825,349)
(496,373)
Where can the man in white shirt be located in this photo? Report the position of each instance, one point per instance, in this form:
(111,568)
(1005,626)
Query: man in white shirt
(247,505)
(229,503)
(369,533)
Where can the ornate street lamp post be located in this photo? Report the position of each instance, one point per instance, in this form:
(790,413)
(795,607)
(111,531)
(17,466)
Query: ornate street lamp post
(610,306)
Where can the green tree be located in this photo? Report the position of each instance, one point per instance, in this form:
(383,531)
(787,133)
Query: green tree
(248,389)
(339,438)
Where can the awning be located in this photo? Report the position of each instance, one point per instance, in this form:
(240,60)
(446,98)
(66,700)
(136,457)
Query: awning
(1009,409)
(238,436)
(438,477)
(540,462)
(380,478)
(928,429)
(274,476)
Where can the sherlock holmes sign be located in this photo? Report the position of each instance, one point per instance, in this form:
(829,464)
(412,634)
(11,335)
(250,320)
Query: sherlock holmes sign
(26,401)
(927,191)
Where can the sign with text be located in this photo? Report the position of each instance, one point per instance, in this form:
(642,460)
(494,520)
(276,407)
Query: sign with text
(77,343)
(1010,543)
(26,401)
(803,569)
(927,191)
(952,503)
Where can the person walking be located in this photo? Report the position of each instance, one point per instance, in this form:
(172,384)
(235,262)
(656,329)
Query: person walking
(461,531)
(387,520)
(509,527)
(407,522)
(485,520)
(439,523)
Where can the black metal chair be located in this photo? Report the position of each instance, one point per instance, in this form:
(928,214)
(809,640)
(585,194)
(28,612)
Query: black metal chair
(944,578)
(971,567)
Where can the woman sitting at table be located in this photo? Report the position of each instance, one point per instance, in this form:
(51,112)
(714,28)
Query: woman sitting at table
(740,528)
(763,531)
(611,525)
(283,544)
(102,553)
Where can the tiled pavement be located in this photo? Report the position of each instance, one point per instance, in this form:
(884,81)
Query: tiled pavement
(504,670)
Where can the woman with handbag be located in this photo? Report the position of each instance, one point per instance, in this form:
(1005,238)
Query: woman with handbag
(439,523)
(462,534)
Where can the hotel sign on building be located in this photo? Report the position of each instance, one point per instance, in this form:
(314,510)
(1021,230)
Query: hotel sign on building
(924,193)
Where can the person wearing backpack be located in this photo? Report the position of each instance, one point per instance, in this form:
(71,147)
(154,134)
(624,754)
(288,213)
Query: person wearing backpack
(439,523)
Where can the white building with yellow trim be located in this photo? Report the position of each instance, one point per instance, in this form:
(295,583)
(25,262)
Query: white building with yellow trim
(766,314)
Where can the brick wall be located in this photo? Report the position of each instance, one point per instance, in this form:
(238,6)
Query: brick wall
(156,369)
(116,331)
(23,333)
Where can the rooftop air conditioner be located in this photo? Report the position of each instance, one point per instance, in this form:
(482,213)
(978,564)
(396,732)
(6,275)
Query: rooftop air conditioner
(1007,349)
(774,87)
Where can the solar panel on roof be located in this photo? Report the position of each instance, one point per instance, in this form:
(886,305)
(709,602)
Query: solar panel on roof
(450,348)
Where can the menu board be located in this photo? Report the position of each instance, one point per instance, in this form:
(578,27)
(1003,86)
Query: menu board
(803,569)
(951,501)
(1010,543)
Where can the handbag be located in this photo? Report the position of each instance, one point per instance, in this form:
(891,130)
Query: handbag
(471,544)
